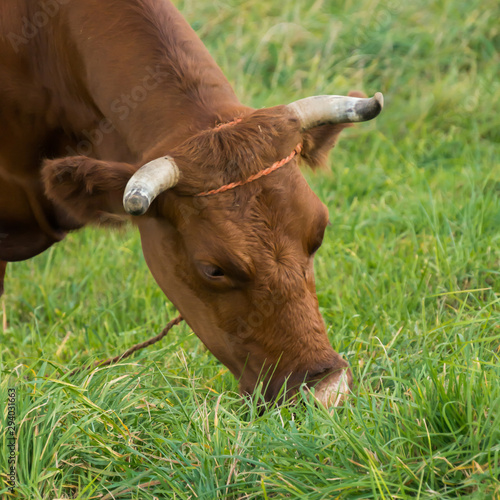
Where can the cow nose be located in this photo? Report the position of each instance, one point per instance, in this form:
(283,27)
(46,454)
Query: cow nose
(333,389)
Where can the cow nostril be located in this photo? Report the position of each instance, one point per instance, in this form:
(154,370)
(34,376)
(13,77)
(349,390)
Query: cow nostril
(314,378)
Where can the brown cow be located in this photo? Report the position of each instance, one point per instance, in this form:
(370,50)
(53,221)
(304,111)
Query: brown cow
(113,107)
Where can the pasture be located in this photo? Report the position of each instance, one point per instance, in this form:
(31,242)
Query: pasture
(408,281)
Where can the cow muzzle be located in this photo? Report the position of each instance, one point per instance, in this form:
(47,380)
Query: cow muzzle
(330,387)
(333,389)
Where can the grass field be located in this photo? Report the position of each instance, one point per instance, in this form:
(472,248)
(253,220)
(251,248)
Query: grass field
(408,281)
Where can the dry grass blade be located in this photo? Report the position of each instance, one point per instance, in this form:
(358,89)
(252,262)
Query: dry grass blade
(120,493)
(135,348)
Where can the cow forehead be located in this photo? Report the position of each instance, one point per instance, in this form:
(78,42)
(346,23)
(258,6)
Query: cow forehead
(233,154)
(267,214)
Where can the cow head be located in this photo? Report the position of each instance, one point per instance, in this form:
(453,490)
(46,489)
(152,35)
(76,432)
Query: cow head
(238,264)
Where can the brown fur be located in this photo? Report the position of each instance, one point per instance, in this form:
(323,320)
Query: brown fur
(213,158)
(87,189)
(105,87)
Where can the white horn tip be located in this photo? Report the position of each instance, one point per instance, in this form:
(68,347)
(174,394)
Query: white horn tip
(379,97)
(147,183)
(136,203)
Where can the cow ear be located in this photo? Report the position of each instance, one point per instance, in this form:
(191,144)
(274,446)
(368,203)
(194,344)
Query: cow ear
(318,141)
(88,189)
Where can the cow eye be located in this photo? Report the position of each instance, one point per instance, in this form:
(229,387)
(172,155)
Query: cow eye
(212,272)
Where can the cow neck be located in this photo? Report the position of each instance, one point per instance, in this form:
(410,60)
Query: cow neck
(153,78)
(41,215)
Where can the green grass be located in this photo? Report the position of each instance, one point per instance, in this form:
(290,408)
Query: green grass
(408,282)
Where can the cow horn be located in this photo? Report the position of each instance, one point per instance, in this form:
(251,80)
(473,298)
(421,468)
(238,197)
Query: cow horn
(148,182)
(331,109)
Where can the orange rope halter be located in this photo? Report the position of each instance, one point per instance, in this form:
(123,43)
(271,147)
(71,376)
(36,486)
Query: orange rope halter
(256,176)
(229,124)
